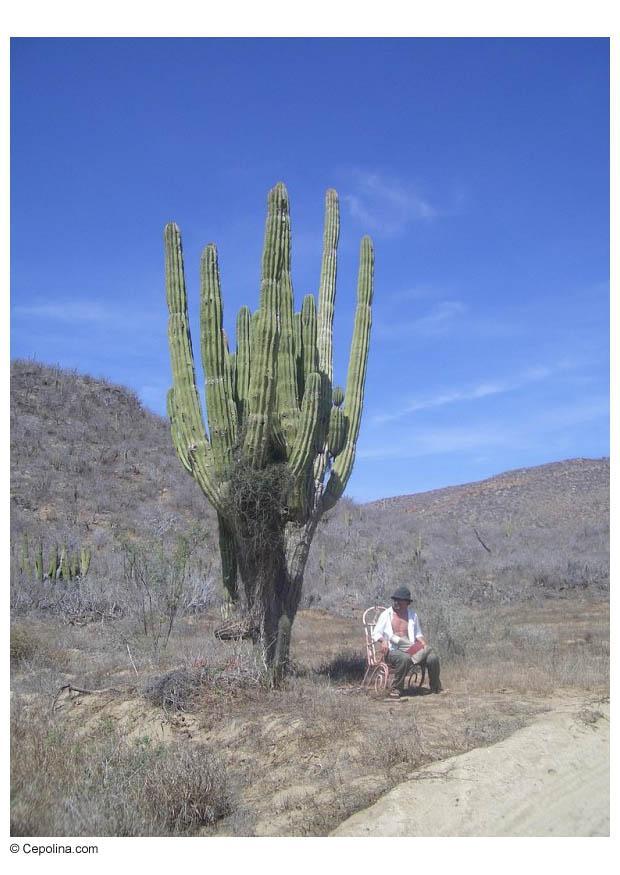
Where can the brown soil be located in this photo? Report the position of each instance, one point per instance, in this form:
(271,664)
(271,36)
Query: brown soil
(305,758)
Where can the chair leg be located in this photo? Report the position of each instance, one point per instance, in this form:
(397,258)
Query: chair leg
(381,678)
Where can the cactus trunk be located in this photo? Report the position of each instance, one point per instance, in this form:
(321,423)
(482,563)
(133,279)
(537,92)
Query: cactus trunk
(280,449)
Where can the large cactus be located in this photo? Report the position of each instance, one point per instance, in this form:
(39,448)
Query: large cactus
(281,443)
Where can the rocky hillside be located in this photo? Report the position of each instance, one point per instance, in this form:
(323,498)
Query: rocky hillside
(90,464)
(523,535)
(548,491)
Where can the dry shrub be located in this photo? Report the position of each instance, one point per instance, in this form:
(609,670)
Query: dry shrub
(180,689)
(64,785)
(24,643)
(395,748)
(187,789)
(177,689)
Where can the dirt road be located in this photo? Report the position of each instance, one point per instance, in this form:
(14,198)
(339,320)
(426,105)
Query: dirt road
(549,779)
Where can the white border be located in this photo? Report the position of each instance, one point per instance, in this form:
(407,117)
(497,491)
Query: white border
(327,18)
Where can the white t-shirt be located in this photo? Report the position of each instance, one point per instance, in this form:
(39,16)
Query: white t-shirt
(384,629)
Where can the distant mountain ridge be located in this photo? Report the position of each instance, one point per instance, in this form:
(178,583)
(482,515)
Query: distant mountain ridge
(570,475)
(88,462)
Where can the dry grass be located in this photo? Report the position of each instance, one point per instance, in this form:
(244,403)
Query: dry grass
(221,754)
(64,784)
(513,627)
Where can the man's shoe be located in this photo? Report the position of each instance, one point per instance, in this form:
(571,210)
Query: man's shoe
(395,693)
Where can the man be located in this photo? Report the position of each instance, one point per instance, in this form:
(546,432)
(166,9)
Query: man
(398,630)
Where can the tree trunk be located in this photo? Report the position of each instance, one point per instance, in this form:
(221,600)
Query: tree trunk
(279,594)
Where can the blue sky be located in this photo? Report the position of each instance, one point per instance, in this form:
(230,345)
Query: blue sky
(479,166)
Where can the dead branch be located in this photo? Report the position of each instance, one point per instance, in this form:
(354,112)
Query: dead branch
(82,691)
(480,539)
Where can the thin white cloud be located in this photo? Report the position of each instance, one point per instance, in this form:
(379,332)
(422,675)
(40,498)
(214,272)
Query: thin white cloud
(67,311)
(93,312)
(474,392)
(438,441)
(419,292)
(538,432)
(385,206)
(437,321)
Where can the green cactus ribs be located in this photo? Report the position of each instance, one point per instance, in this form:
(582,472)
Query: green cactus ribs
(61,563)
(280,444)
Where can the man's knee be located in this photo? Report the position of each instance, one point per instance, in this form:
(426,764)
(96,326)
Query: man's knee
(397,658)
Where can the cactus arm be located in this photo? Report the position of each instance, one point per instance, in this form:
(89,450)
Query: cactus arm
(265,333)
(189,415)
(52,568)
(308,332)
(63,564)
(327,298)
(304,449)
(175,431)
(337,431)
(299,353)
(231,369)
(231,381)
(310,365)
(221,412)
(356,377)
(38,562)
(24,557)
(287,398)
(327,288)
(242,369)
(84,561)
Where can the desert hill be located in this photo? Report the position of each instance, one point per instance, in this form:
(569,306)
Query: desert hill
(543,486)
(130,717)
(89,464)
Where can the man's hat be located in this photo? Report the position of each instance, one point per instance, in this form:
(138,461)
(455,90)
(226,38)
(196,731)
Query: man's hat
(402,593)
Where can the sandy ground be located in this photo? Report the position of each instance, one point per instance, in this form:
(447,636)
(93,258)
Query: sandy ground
(549,779)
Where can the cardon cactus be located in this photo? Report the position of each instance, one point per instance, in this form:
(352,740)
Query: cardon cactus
(64,568)
(52,568)
(24,556)
(84,561)
(61,564)
(38,563)
(281,444)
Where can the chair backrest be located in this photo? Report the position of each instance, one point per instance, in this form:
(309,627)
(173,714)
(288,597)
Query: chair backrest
(369,620)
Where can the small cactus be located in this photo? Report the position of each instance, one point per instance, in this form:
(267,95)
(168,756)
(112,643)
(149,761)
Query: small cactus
(52,567)
(61,563)
(38,562)
(24,556)
(84,561)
